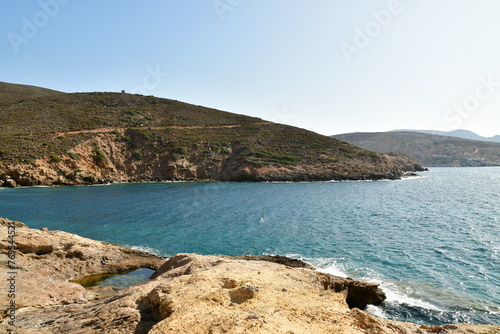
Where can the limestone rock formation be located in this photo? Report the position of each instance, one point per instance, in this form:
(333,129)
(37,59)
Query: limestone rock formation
(46,261)
(187,294)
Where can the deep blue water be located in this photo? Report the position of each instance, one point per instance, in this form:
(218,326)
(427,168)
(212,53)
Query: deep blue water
(432,242)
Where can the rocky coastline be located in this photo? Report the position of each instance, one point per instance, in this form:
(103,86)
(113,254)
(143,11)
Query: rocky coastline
(187,293)
(99,137)
(122,168)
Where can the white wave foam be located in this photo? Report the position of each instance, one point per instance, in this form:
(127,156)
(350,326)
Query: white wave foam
(393,294)
(148,250)
(392,290)
(333,270)
(376,311)
(99,185)
(324,265)
(397,297)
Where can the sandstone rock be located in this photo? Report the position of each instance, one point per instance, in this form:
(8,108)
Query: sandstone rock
(243,294)
(189,294)
(10,183)
(46,262)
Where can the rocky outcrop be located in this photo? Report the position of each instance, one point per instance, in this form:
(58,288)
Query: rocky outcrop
(105,158)
(407,164)
(46,261)
(188,293)
(289,262)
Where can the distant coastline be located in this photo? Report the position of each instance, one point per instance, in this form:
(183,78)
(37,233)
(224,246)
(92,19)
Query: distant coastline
(432,150)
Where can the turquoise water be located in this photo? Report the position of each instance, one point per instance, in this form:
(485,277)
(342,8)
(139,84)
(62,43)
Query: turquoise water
(431,242)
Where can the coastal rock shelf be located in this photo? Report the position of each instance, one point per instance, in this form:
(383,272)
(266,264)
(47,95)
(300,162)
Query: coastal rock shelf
(188,293)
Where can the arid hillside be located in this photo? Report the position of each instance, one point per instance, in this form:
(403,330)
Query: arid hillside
(52,138)
(429,149)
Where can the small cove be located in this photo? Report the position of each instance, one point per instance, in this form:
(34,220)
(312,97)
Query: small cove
(431,242)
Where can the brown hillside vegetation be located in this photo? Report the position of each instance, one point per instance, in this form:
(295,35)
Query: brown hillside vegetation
(51,138)
(429,149)
(11,93)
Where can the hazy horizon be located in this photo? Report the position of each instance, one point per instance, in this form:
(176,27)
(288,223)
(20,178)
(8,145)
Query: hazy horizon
(415,130)
(331,67)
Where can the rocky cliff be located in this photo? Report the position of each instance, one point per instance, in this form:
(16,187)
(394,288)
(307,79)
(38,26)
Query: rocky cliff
(105,158)
(53,138)
(188,293)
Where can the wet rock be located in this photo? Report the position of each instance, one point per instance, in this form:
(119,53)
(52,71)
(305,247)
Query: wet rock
(358,294)
(293,263)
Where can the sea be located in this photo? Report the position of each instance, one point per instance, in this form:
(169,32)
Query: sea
(432,242)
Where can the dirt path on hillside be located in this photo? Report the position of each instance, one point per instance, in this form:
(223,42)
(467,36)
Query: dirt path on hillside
(122,130)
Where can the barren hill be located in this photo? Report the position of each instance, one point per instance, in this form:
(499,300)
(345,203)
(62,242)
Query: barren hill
(52,138)
(10,93)
(430,150)
(461,133)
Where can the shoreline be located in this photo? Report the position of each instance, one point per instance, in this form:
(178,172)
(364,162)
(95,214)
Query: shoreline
(248,285)
(406,176)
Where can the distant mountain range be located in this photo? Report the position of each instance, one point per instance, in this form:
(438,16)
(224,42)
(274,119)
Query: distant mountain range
(430,149)
(465,134)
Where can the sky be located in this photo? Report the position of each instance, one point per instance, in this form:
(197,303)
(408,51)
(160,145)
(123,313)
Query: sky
(329,66)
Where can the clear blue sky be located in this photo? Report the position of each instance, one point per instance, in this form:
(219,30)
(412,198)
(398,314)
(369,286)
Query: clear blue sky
(330,66)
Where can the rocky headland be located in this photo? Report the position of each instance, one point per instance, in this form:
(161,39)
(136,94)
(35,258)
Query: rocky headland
(52,138)
(188,293)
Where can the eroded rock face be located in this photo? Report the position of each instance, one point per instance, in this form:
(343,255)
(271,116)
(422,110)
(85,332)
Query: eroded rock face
(46,261)
(116,163)
(194,294)
(358,294)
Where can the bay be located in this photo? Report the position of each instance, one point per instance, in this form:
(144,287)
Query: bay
(432,242)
